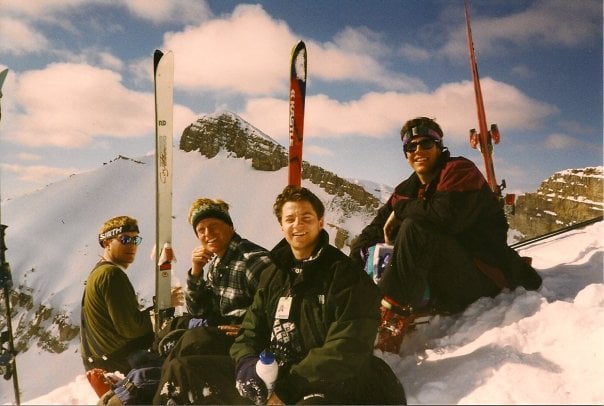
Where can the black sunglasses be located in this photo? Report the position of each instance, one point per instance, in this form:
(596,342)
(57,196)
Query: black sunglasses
(126,239)
(426,143)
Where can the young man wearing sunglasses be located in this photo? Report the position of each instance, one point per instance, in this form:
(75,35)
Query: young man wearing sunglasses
(449,236)
(112,324)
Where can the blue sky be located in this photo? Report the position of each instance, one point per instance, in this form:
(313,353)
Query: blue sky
(80,92)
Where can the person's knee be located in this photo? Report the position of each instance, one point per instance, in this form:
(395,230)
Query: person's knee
(415,230)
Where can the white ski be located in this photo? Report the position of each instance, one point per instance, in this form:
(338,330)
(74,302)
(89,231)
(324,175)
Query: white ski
(163,65)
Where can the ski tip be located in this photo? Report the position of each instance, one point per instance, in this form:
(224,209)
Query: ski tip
(300,45)
(298,61)
(2,77)
(159,55)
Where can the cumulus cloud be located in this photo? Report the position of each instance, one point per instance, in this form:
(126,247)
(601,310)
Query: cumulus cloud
(160,11)
(382,114)
(244,53)
(413,53)
(352,64)
(30,40)
(39,9)
(80,102)
(241,52)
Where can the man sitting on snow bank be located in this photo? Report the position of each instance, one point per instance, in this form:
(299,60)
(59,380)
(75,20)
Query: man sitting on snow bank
(113,327)
(449,237)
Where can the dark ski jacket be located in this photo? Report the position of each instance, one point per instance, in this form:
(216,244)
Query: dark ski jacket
(336,308)
(225,294)
(113,323)
(460,203)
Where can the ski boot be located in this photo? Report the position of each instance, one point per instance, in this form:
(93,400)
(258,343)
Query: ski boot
(395,322)
(399,320)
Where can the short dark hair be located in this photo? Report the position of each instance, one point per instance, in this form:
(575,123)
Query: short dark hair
(297,194)
(421,122)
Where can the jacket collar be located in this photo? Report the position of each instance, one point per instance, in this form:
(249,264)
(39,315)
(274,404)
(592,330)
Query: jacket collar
(284,257)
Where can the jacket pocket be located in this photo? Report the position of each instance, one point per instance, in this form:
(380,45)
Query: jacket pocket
(312,321)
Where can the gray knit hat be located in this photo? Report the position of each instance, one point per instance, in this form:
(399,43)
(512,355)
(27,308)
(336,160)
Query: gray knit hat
(208,208)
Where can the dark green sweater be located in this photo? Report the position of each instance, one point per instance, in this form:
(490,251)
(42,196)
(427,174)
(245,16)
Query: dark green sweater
(113,320)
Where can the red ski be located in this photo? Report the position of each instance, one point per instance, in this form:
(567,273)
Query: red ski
(297,95)
(484,139)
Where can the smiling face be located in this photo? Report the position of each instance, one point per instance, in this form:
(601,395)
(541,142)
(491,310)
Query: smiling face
(214,235)
(424,161)
(301,227)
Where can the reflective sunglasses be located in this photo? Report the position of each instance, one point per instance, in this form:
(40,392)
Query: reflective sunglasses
(426,143)
(126,239)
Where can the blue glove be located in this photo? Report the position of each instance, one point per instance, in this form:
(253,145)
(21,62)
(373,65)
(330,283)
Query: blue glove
(248,383)
(198,323)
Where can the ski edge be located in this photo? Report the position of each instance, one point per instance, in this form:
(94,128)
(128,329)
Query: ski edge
(297,96)
(163,80)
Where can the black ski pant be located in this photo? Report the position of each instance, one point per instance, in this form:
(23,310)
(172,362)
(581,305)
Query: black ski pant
(210,380)
(118,360)
(424,257)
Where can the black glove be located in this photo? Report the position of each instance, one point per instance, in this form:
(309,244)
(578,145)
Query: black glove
(249,384)
(168,342)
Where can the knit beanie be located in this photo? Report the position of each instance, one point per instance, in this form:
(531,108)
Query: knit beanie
(206,208)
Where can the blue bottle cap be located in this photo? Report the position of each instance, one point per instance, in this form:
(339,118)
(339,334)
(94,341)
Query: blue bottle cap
(267,357)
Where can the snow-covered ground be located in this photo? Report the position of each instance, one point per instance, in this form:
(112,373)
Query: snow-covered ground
(544,347)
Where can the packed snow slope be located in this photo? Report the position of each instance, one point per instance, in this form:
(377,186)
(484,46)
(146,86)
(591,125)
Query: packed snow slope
(544,347)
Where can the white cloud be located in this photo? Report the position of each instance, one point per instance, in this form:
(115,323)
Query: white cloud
(108,60)
(101,58)
(39,9)
(158,11)
(330,62)
(413,53)
(246,52)
(243,52)
(29,41)
(361,41)
(67,105)
(382,114)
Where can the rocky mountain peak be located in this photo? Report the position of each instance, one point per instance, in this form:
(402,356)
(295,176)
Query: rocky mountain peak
(227,131)
(565,198)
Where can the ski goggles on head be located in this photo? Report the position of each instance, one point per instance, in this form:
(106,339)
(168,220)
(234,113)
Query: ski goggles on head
(418,131)
(426,143)
(115,231)
(127,240)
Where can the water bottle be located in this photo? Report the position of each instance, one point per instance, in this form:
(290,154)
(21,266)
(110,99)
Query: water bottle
(267,369)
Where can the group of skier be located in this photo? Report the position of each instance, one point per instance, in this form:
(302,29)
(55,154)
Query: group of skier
(312,306)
